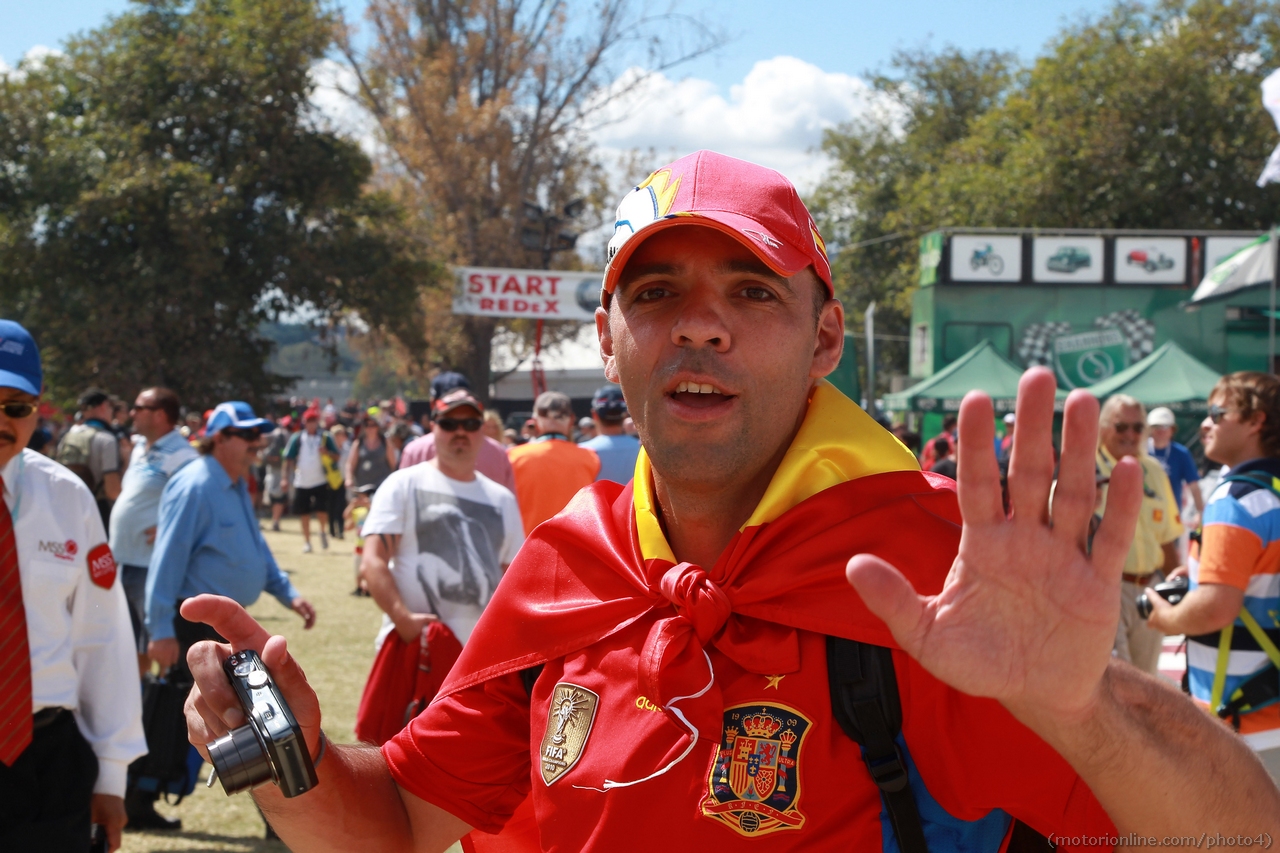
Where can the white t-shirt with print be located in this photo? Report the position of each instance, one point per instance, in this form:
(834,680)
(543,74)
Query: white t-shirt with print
(310,471)
(455,537)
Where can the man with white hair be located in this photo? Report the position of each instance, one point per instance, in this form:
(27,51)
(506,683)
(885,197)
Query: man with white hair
(1121,425)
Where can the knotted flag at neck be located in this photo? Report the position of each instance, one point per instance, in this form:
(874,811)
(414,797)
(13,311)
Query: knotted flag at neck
(845,486)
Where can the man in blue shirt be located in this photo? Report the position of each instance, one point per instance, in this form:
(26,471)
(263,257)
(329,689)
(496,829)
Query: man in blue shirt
(158,451)
(208,538)
(616,449)
(1173,457)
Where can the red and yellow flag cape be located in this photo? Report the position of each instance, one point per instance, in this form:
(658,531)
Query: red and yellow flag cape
(845,486)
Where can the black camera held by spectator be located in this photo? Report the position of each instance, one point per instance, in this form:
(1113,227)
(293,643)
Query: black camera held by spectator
(1171,591)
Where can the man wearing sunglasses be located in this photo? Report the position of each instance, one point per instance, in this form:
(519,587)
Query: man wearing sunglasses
(208,540)
(70,708)
(159,450)
(451,531)
(1121,427)
(1236,571)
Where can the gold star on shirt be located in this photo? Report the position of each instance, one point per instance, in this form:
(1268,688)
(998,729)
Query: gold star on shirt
(773,681)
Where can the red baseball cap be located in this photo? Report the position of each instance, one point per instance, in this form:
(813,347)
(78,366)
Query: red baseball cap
(756,206)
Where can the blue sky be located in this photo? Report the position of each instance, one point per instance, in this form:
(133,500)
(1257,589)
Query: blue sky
(835,35)
(792,70)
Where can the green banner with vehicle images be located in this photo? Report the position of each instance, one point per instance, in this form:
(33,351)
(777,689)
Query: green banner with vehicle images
(1087,358)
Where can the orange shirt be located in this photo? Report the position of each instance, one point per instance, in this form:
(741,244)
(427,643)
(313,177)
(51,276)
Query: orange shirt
(549,472)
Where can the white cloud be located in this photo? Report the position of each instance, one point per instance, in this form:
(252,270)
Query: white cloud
(34,57)
(335,108)
(774,117)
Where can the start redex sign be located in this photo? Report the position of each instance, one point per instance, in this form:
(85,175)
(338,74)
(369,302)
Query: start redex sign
(537,294)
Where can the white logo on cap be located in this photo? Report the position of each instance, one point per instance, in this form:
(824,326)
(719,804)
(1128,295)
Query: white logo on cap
(14,347)
(638,209)
(762,237)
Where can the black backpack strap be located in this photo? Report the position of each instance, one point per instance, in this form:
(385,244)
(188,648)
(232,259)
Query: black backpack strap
(864,701)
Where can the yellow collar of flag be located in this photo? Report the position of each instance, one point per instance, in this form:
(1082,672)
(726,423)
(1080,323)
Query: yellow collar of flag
(837,442)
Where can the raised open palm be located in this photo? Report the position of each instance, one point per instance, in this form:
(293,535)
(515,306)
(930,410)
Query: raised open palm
(1027,615)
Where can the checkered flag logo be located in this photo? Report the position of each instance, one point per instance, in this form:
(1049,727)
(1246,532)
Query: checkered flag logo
(1139,332)
(1036,347)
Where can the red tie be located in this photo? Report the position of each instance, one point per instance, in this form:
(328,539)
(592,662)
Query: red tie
(15,656)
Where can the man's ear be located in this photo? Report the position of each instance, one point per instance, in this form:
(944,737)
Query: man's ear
(605,336)
(828,343)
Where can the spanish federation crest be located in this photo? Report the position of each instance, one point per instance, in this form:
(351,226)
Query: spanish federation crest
(755,780)
(569,718)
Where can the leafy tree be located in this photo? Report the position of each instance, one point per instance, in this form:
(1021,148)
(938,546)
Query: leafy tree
(1149,117)
(164,191)
(484,105)
(925,108)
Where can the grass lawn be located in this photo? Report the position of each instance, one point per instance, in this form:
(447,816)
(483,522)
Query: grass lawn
(336,655)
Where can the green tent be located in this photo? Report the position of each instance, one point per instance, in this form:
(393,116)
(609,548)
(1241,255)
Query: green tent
(982,368)
(1168,377)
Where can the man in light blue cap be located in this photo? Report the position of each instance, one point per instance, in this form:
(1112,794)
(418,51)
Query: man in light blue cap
(208,539)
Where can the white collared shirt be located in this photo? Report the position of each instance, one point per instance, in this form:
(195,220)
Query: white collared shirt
(82,648)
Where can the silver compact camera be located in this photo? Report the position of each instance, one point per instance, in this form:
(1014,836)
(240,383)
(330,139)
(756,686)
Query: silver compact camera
(270,747)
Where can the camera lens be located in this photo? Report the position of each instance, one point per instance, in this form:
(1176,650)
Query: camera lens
(240,760)
(1144,606)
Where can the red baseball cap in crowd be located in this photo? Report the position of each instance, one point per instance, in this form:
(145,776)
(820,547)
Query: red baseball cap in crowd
(455,399)
(756,206)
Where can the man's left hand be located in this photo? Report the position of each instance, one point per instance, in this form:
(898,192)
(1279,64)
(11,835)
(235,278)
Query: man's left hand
(304,609)
(1028,613)
(109,811)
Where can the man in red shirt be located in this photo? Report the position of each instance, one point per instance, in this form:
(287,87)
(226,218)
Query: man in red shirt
(679,622)
(550,469)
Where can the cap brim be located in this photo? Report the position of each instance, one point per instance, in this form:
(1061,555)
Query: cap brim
(475,404)
(9,379)
(785,260)
(254,423)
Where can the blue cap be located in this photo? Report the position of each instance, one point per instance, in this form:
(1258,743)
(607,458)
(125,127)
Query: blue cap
(446,382)
(19,359)
(608,402)
(234,414)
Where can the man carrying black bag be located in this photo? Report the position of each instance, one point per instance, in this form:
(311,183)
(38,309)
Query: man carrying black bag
(68,729)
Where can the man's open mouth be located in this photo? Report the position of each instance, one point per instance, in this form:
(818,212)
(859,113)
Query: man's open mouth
(700,394)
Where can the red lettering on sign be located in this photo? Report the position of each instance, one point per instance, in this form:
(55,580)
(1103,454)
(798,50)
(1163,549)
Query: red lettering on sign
(486,304)
(553,280)
(533,285)
(493,283)
(512,285)
(102,566)
(475,283)
(502,305)
(519,305)
(550,306)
